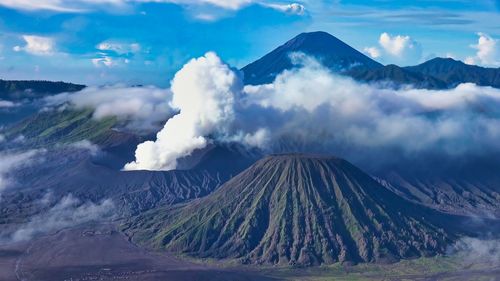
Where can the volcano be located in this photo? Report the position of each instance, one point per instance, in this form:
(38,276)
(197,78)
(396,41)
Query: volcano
(297,209)
(326,48)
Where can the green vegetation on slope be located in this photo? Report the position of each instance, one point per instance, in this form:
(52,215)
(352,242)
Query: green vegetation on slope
(62,126)
(432,268)
(296,210)
(19,90)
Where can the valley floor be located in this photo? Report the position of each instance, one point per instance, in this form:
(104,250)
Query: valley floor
(100,252)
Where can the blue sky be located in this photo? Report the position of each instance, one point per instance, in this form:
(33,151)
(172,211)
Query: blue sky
(146,41)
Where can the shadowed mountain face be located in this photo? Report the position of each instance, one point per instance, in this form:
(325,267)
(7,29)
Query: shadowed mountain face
(297,209)
(20,90)
(438,73)
(327,49)
(454,72)
(397,76)
(70,170)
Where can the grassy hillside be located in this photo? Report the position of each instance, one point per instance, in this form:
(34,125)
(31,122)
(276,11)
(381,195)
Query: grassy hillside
(65,126)
(19,90)
(297,210)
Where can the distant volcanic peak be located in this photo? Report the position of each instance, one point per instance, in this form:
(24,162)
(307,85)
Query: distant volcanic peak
(330,51)
(300,156)
(301,209)
(315,41)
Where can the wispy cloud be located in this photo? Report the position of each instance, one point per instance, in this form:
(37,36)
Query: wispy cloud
(80,6)
(141,107)
(37,45)
(69,211)
(12,161)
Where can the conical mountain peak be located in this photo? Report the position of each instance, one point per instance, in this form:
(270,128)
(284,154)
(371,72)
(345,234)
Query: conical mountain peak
(330,51)
(298,209)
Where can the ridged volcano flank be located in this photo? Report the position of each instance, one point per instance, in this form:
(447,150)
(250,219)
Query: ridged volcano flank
(330,51)
(297,209)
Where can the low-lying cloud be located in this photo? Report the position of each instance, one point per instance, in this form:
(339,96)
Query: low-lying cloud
(204,92)
(318,109)
(69,211)
(142,107)
(477,251)
(11,161)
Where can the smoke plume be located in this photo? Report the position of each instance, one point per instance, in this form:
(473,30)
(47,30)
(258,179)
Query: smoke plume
(311,109)
(204,92)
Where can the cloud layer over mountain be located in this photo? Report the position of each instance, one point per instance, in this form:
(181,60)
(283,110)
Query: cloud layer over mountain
(142,106)
(317,109)
(13,160)
(69,211)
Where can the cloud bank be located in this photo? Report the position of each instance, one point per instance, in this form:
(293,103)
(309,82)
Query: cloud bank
(315,109)
(477,251)
(142,107)
(69,211)
(14,160)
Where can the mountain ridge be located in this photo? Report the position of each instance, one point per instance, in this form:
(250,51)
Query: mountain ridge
(437,73)
(16,90)
(328,49)
(296,209)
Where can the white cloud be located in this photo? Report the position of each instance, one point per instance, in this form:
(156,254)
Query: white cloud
(373,52)
(37,45)
(204,91)
(87,145)
(53,5)
(114,53)
(103,60)
(142,107)
(11,161)
(292,9)
(6,103)
(78,6)
(362,116)
(488,51)
(119,48)
(396,49)
(69,211)
(470,61)
(477,251)
(314,105)
(226,4)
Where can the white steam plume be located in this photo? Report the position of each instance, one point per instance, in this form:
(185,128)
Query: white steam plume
(204,92)
(310,107)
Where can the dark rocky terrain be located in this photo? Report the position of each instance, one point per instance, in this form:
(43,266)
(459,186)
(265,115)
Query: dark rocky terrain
(454,72)
(437,73)
(18,90)
(223,204)
(300,210)
(395,76)
(330,51)
(101,252)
